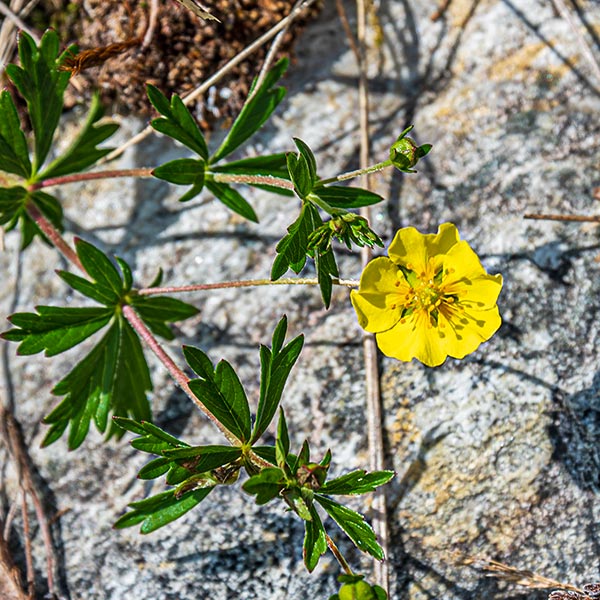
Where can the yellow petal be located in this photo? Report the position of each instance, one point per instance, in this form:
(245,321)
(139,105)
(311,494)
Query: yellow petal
(374,302)
(413,339)
(463,336)
(408,249)
(441,242)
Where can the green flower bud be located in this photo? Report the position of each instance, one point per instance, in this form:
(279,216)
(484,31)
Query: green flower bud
(405,154)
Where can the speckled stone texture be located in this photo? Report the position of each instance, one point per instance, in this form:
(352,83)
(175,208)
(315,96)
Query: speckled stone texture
(496,455)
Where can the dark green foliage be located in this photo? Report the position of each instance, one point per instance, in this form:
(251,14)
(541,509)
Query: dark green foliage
(257,109)
(266,485)
(42,84)
(83,152)
(177,121)
(14,154)
(315,542)
(354,525)
(293,250)
(232,199)
(55,329)
(156,311)
(113,377)
(276,365)
(183,171)
(157,511)
(221,392)
(357,482)
(339,196)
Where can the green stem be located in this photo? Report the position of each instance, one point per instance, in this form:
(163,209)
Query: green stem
(338,555)
(352,283)
(352,174)
(75,177)
(252,180)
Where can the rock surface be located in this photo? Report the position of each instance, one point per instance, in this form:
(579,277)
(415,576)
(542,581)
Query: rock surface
(496,455)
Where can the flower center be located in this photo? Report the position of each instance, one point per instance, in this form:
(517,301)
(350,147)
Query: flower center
(425,293)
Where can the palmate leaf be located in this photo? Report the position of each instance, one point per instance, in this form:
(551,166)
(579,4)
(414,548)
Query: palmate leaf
(113,377)
(157,511)
(83,152)
(221,392)
(42,84)
(261,104)
(354,525)
(276,365)
(157,311)
(12,202)
(14,154)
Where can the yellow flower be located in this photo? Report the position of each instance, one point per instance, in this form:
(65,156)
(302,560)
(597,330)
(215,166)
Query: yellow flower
(430,299)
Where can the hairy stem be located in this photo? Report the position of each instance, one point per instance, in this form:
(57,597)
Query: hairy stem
(108,174)
(351,283)
(253,180)
(53,235)
(176,373)
(358,172)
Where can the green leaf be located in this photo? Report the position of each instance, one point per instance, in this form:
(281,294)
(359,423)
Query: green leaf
(221,392)
(232,199)
(282,444)
(292,248)
(83,152)
(354,525)
(183,171)
(309,157)
(273,165)
(265,485)
(90,289)
(159,510)
(257,109)
(14,155)
(155,440)
(178,122)
(315,542)
(55,329)
(299,172)
(357,482)
(50,207)
(12,201)
(340,196)
(156,311)
(99,267)
(42,84)
(204,458)
(113,377)
(275,369)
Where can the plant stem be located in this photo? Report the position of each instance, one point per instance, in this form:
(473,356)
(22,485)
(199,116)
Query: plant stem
(243,283)
(253,180)
(352,174)
(176,373)
(338,555)
(108,174)
(572,218)
(53,235)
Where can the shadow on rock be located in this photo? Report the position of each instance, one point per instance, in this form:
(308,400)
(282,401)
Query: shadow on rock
(575,435)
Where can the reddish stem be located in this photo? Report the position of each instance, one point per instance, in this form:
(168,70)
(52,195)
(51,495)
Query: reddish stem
(572,218)
(110,174)
(53,235)
(176,373)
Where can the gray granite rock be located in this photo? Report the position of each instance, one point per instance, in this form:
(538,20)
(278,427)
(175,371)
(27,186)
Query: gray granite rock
(496,455)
